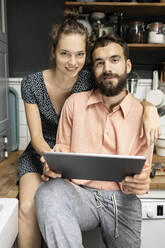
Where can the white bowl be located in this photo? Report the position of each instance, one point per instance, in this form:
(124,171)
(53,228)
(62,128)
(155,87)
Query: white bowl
(162,131)
(160,151)
(160,142)
(162,120)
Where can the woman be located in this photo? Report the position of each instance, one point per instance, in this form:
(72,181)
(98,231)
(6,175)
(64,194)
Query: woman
(44,94)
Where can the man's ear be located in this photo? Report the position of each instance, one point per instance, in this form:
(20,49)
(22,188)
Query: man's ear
(129,66)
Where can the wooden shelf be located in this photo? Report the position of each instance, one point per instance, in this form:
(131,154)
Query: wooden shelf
(146,46)
(128,8)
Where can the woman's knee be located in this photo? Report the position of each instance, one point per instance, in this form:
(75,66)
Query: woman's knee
(26,209)
(26,195)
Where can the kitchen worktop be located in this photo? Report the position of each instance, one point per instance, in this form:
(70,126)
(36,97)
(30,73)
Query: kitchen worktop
(8,175)
(158,182)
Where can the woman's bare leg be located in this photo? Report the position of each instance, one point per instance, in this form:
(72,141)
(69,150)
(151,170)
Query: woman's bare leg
(28,231)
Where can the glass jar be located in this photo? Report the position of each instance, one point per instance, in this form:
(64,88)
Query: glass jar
(135,32)
(97,19)
(155,34)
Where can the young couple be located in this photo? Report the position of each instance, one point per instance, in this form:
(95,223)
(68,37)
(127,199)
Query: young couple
(104,120)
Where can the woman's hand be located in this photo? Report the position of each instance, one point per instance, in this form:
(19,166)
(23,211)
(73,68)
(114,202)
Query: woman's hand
(138,184)
(151,122)
(47,173)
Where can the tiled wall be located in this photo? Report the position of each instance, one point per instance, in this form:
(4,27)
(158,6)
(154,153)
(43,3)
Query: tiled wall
(24,138)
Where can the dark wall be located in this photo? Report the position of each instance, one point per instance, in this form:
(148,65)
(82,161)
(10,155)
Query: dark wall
(29,23)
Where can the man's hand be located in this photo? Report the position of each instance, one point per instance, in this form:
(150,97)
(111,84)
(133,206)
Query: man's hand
(138,184)
(47,173)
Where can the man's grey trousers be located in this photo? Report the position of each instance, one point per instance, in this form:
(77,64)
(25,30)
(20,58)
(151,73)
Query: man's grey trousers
(64,210)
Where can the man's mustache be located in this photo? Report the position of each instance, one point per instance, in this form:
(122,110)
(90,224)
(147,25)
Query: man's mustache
(110,75)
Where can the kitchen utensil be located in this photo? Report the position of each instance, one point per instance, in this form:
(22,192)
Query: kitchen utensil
(156,96)
(157,166)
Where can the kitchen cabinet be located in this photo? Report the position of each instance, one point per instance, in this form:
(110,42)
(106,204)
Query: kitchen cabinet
(3,29)
(4,106)
(148,12)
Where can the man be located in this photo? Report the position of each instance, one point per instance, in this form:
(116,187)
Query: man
(105,120)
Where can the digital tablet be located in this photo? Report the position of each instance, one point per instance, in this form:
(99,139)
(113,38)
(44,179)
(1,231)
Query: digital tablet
(102,167)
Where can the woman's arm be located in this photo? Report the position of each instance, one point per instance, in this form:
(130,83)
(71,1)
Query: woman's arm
(35,128)
(151,122)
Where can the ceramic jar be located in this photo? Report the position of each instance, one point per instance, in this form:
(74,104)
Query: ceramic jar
(155,34)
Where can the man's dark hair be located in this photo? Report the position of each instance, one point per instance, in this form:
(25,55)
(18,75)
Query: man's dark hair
(107,39)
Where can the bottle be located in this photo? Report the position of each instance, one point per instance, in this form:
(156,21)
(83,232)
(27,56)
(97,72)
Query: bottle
(121,31)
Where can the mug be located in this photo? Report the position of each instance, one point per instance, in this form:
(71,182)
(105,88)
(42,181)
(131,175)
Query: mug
(132,85)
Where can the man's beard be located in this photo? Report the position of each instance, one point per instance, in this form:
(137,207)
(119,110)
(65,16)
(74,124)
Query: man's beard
(107,88)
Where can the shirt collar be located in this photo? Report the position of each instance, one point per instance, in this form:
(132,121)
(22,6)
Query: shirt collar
(95,97)
(125,105)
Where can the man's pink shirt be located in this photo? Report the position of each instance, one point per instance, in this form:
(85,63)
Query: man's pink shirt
(88,126)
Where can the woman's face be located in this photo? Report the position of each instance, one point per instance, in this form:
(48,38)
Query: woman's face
(70,54)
